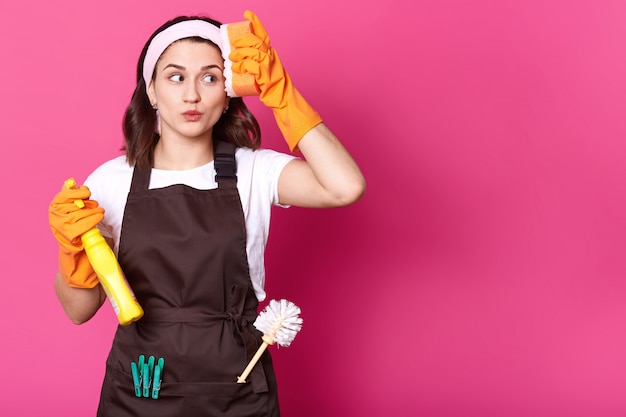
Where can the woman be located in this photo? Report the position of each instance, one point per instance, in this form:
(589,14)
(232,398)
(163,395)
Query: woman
(188,215)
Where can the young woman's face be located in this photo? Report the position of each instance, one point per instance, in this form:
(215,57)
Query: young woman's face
(188,89)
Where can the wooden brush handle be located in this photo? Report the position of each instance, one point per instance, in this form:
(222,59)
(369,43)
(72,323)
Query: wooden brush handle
(266,342)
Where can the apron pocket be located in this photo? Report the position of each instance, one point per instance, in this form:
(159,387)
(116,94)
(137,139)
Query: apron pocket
(185,398)
(223,399)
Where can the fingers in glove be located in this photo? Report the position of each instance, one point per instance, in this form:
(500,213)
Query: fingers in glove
(71,207)
(80,225)
(269,85)
(257,27)
(69,229)
(241,54)
(249,40)
(90,204)
(248,66)
(70,195)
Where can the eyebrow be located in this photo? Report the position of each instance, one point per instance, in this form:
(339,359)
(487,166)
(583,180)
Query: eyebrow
(180,67)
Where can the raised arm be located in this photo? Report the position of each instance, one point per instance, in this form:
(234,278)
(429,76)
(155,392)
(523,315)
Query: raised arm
(328,177)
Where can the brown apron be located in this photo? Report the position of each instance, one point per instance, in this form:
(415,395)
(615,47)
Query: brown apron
(183,252)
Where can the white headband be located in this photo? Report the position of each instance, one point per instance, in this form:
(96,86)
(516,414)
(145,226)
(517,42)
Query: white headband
(182,30)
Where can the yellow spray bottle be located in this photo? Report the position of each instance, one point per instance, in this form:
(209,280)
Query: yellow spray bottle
(109,273)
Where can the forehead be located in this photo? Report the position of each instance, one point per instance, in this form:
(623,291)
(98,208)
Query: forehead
(193,50)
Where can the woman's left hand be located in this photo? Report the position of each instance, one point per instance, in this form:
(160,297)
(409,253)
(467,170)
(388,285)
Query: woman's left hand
(253,54)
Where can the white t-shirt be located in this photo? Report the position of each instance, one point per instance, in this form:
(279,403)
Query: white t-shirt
(257,182)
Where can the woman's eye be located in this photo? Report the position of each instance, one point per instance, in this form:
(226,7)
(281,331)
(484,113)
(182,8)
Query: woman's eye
(209,78)
(176,78)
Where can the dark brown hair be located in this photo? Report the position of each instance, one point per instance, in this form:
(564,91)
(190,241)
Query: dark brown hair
(237,126)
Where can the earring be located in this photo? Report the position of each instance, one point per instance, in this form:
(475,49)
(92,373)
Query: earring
(154,106)
(225,110)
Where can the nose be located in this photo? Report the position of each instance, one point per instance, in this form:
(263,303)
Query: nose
(192,95)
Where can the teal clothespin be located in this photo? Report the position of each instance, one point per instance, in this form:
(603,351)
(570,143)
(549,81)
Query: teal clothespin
(145,379)
(158,373)
(136,378)
(142,361)
(145,374)
(151,361)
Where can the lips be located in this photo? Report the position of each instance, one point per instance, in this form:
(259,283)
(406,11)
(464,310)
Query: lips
(192,115)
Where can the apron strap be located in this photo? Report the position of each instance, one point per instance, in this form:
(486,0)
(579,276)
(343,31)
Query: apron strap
(141,180)
(225,164)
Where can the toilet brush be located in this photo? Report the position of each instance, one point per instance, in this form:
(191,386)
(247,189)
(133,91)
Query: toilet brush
(279,322)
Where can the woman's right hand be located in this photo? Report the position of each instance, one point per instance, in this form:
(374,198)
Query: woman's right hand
(68,222)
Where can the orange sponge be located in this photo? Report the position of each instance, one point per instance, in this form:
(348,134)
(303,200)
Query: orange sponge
(237,85)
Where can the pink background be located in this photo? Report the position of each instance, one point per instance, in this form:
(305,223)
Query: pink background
(481,275)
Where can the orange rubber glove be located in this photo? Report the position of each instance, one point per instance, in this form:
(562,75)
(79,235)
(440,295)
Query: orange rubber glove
(68,222)
(253,54)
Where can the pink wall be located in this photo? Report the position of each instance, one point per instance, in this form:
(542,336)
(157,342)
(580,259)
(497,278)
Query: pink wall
(482,274)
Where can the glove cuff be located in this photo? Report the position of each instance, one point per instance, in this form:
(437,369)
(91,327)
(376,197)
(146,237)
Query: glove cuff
(294,116)
(76,269)
(293,124)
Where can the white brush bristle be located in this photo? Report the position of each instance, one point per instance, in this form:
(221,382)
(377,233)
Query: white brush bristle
(280,320)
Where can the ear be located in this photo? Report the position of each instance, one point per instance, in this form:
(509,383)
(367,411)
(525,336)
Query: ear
(151,94)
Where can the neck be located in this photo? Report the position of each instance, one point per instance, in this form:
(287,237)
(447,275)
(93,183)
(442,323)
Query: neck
(176,154)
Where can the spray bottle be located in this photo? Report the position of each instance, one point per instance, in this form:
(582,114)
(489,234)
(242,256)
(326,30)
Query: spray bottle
(109,273)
